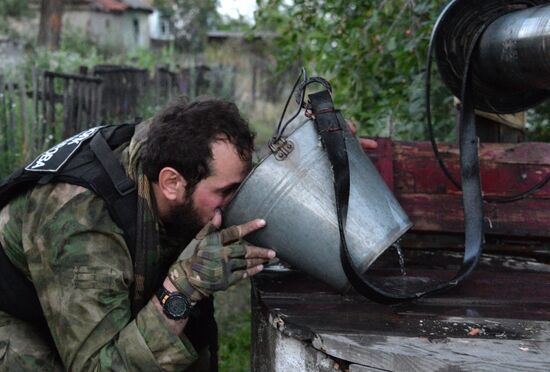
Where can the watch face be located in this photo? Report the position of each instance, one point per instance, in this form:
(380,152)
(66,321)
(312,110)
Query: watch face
(177,306)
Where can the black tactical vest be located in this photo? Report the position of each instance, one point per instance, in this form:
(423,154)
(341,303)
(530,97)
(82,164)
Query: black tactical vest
(87,160)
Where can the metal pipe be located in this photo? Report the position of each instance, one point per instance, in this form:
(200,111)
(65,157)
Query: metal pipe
(514,50)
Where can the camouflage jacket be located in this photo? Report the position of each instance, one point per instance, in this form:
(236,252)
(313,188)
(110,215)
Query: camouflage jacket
(62,237)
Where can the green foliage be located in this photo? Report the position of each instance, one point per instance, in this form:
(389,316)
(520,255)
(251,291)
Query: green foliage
(373,52)
(192,20)
(234,352)
(13,8)
(233,318)
(149,59)
(538,123)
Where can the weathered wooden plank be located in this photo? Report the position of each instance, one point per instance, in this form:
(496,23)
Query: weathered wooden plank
(93,105)
(85,119)
(24,113)
(505,168)
(100,108)
(511,153)
(496,320)
(79,105)
(396,353)
(444,212)
(11,105)
(51,109)
(66,108)
(511,304)
(3,115)
(89,105)
(435,205)
(360,368)
(52,75)
(383,158)
(281,353)
(45,124)
(34,113)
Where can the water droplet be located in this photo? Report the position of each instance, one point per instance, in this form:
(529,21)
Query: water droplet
(401,256)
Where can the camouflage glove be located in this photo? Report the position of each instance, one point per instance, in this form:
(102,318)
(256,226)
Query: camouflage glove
(213,261)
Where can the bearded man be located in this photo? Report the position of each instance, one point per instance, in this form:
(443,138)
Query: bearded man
(86,289)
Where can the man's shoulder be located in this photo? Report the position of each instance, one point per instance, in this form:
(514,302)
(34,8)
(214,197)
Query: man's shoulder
(67,202)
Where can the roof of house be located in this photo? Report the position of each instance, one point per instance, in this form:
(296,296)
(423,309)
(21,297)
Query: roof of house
(117,6)
(216,34)
(108,6)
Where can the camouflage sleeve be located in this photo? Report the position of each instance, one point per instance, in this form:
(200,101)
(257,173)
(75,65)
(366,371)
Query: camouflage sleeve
(81,268)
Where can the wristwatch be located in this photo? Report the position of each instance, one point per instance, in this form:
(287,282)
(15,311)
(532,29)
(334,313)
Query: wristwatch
(174,304)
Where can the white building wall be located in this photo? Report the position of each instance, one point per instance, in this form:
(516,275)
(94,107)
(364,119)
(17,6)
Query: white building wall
(160,27)
(127,31)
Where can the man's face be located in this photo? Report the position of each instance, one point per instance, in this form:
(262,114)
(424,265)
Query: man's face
(215,191)
(228,170)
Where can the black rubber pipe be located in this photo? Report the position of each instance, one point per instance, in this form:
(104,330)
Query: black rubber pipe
(514,51)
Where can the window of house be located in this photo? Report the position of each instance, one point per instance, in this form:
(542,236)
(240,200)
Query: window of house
(136,29)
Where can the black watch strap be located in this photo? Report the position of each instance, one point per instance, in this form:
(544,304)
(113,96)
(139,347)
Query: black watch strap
(175,305)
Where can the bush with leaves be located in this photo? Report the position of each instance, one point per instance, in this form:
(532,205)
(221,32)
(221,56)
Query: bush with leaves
(373,51)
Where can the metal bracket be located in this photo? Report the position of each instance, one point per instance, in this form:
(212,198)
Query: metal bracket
(281,148)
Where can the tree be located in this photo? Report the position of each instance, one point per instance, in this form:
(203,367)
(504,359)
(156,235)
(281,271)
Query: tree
(192,21)
(374,53)
(51,16)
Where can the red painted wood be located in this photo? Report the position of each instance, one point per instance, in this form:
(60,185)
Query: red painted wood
(383,159)
(434,204)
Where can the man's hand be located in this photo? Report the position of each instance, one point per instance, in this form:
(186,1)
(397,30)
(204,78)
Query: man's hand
(366,144)
(216,259)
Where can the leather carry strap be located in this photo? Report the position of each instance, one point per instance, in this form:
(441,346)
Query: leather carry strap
(331,127)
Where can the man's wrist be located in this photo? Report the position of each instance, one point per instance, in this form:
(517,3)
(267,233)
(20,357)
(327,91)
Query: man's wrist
(175,305)
(169,285)
(172,288)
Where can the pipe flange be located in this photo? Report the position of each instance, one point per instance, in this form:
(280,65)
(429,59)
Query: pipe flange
(454,34)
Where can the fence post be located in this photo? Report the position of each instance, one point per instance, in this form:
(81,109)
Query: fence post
(51,96)
(3,115)
(67,108)
(34,113)
(99,103)
(24,114)
(11,115)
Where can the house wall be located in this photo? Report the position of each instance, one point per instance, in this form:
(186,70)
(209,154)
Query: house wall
(128,30)
(160,27)
(11,53)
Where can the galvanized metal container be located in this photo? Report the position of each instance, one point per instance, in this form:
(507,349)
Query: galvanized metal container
(294,193)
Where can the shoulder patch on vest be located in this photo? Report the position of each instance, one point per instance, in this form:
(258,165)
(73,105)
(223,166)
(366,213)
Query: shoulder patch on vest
(54,158)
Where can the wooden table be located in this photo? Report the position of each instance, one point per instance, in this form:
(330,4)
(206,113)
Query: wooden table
(498,320)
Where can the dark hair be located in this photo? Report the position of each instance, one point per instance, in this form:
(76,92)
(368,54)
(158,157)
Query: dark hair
(182,133)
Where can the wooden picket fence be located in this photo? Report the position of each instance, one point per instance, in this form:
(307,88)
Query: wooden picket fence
(40,108)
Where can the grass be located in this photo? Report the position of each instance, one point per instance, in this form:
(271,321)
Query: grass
(233,316)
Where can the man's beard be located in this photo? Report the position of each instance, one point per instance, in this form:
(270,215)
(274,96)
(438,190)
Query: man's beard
(183,221)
